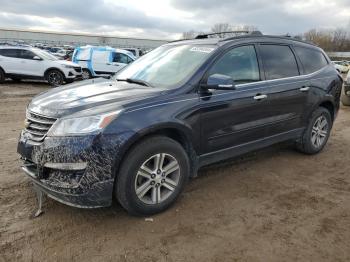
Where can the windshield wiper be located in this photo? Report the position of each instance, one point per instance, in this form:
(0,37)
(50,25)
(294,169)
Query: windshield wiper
(135,81)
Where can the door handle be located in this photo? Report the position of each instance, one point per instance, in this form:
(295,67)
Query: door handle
(260,97)
(304,89)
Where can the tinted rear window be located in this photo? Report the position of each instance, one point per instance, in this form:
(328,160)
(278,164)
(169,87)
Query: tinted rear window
(9,52)
(279,61)
(312,60)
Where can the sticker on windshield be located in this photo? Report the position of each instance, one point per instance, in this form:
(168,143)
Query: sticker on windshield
(201,49)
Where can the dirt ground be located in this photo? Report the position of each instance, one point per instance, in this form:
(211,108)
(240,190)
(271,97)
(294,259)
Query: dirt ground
(272,205)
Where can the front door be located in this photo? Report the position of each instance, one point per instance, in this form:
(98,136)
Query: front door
(29,65)
(235,117)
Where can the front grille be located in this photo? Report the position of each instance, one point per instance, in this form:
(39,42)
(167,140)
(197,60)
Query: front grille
(38,126)
(77,69)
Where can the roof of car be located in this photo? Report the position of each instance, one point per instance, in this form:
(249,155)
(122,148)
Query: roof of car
(108,48)
(250,38)
(16,47)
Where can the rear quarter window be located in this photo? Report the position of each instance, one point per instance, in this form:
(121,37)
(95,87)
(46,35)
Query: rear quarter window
(312,60)
(9,52)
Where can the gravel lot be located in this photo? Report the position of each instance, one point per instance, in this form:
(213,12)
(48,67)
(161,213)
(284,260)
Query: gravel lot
(271,205)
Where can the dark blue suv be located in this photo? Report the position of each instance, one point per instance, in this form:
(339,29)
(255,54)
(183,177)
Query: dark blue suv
(142,134)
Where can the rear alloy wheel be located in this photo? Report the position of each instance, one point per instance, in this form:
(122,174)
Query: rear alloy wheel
(86,74)
(55,78)
(317,132)
(152,176)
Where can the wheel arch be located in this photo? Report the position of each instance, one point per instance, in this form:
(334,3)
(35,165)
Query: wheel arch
(173,131)
(54,68)
(329,105)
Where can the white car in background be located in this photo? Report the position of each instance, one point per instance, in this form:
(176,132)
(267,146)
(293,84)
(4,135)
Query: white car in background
(135,51)
(18,63)
(341,66)
(101,60)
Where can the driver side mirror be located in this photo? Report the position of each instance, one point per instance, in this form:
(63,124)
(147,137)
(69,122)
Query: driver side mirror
(36,58)
(219,82)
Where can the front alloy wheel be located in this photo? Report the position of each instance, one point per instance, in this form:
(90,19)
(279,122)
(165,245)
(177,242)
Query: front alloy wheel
(55,78)
(85,74)
(157,178)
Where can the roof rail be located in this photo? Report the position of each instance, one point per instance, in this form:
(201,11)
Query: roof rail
(240,32)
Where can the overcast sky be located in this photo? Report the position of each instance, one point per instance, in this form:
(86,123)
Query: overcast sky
(167,19)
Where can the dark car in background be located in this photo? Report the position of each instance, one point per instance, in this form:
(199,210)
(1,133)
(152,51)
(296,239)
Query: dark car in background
(140,136)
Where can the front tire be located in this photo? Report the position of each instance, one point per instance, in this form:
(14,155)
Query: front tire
(316,134)
(152,176)
(55,78)
(86,74)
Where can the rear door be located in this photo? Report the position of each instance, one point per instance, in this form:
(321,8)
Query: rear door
(10,61)
(287,91)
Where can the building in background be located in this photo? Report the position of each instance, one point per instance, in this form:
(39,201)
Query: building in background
(75,39)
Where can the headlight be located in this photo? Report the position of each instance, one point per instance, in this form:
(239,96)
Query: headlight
(81,125)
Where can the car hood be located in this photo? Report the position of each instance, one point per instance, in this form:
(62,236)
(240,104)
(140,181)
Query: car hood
(94,96)
(69,63)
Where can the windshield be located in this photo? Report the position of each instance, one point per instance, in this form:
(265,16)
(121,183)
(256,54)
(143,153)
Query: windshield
(45,55)
(167,66)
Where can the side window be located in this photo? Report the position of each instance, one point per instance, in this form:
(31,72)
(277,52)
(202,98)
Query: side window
(25,54)
(279,61)
(120,58)
(129,60)
(312,60)
(9,52)
(240,63)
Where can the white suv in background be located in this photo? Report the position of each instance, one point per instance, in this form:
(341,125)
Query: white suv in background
(341,66)
(31,63)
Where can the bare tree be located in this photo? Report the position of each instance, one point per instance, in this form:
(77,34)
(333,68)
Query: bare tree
(189,34)
(221,27)
(225,27)
(330,40)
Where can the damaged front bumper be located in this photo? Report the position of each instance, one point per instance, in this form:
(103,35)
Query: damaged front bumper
(77,171)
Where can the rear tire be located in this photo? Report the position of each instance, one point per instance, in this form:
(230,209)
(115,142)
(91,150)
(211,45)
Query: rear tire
(86,74)
(152,176)
(2,76)
(316,134)
(54,77)
(345,99)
